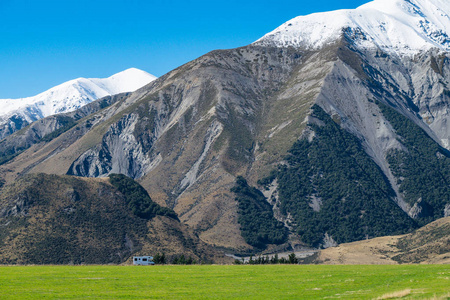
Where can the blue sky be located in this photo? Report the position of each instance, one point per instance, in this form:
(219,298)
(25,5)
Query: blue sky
(46,42)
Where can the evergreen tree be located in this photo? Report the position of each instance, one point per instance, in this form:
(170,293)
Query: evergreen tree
(274,259)
(293,259)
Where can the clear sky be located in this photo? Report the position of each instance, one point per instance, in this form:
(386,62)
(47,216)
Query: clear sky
(46,42)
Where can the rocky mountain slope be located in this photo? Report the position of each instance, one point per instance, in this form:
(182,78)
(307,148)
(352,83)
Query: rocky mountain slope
(346,139)
(69,96)
(49,219)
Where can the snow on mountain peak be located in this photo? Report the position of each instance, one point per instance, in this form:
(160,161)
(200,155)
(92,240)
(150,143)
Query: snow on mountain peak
(399,26)
(74,94)
(125,81)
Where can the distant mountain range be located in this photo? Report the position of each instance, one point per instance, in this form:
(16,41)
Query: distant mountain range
(69,96)
(331,129)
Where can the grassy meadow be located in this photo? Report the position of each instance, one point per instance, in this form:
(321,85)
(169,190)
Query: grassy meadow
(225,282)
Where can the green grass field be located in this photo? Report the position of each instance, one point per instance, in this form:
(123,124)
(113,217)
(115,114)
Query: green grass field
(225,282)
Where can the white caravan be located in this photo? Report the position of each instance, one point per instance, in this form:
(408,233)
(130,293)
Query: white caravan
(143,260)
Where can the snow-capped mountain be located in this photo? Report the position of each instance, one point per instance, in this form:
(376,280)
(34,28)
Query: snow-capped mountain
(66,97)
(343,117)
(395,26)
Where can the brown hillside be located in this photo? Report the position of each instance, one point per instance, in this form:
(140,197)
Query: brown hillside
(427,245)
(50,219)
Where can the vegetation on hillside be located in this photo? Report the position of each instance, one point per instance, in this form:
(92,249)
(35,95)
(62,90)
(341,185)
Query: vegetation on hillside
(50,219)
(9,154)
(138,199)
(65,122)
(53,219)
(330,185)
(423,170)
(239,139)
(258,225)
(429,243)
(9,150)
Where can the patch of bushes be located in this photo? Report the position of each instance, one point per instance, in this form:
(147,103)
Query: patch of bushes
(160,259)
(182,260)
(353,199)
(423,171)
(258,225)
(10,154)
(266,260)
(138,200)
(66,124)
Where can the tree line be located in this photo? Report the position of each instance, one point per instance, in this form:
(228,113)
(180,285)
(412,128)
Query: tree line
(266,260)
(161,259)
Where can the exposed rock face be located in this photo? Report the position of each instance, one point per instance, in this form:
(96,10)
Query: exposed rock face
(447,211)
(328,241)
(11,125)
(187,135)
(128,156)
(44,128)
(17,207)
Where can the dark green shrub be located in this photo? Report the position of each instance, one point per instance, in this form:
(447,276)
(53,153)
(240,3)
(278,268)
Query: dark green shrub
(258,225)
(138,200)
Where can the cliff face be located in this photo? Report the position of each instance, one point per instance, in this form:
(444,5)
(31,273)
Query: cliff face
(186,136)
(50,128)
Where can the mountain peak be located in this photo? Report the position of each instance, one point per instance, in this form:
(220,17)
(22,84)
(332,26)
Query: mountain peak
(132,73)
(398,26)
(128,80)
(71,95)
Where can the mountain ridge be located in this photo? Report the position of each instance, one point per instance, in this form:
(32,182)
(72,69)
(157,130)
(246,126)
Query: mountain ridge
(402,27)
(66,97)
